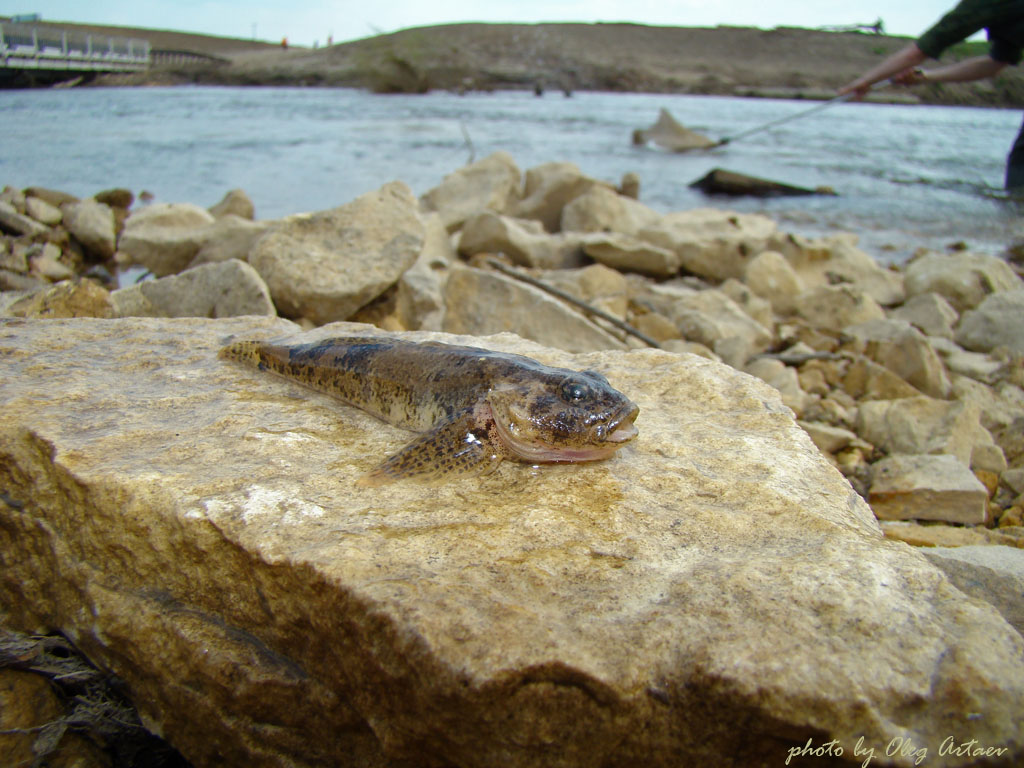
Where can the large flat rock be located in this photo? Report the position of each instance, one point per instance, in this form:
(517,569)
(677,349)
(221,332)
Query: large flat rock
(715,594)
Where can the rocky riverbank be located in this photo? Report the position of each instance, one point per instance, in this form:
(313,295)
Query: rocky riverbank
(848,343)
(789,373)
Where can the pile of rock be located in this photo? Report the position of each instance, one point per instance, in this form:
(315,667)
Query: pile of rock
(911,382)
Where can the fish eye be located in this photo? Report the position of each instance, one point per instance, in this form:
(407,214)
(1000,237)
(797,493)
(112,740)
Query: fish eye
(574,391)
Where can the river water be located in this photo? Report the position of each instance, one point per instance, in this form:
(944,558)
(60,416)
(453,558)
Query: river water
(907,176)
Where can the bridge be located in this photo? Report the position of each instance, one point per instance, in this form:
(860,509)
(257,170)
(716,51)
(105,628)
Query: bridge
(51,53)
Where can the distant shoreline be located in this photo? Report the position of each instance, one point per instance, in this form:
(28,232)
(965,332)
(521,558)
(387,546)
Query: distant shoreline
(785,62)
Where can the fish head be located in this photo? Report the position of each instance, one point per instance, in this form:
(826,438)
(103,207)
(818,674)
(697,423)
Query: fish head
(566,417)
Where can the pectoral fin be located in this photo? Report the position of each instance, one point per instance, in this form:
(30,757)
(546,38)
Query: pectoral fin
(454,447)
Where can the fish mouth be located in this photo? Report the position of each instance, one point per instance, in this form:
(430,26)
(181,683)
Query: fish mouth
(622,429)
(608,440)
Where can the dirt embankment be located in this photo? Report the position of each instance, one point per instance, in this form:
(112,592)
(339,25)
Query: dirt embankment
(616,57)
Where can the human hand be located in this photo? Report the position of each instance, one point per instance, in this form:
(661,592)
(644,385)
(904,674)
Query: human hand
(857,88)
(909,76)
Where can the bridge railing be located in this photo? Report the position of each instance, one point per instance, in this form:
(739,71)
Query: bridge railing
(24,46)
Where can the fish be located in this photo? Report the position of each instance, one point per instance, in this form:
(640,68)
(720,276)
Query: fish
(472,407)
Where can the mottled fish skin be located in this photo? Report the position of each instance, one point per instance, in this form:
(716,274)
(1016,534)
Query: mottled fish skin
(474,406)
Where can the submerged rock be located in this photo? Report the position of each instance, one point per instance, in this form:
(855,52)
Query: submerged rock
(715,594)
(719,181)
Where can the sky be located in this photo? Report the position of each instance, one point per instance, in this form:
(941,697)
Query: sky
(304,22)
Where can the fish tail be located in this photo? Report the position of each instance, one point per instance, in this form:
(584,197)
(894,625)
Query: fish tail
(245,351)
(261,354)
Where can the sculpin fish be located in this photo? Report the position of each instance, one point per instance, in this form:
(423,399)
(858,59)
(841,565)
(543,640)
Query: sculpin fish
(473,407)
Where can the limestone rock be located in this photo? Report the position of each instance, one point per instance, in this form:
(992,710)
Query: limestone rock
(45,261)
(992,574)
(481,302)
(837,259)
(658,327)
(938,535)
(54,197)
(963,278)
(492,183)
(548,188)
(222,289)
(976,365)
(781,377)
(834,307)
(905,351)
(419,302)
(710,316)
(12,281)
(577,615)
(601,209)
(15,260)
(13,197)
(630,254)
(931,487)
(919,425)
(43,212)
(930,313)
(653,296)
(997,321)
(165,237)
(229,237)
(682,347)
(18,223)
(999,405)
(830,439)
(599,286)
(234,203)
(524,241)
(92,224)
(629,186)
(327,265)
(988,457)
(712,243)
(759,309)
(770,276)
(83,298)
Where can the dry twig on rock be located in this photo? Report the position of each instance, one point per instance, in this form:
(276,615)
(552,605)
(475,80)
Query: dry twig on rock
(590,308)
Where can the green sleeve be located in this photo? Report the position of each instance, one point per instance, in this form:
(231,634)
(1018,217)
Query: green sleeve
(957,25)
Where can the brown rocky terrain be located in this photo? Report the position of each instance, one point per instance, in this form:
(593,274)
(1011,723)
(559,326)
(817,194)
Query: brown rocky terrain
(734,585)
(616,57)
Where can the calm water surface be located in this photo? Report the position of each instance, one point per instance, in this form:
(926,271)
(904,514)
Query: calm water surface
(906,176)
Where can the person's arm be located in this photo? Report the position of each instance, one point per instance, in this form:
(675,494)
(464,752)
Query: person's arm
(964,71)
(896,64)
